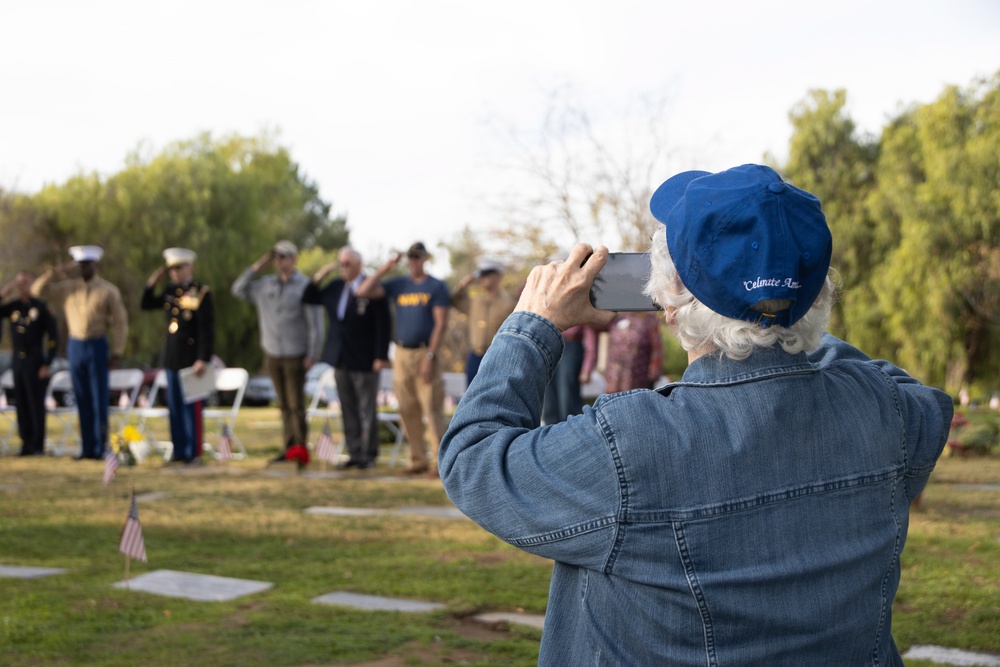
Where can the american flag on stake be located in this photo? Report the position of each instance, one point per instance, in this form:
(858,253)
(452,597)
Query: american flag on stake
(110,466)
(132,544)
(325,449)
(225,444)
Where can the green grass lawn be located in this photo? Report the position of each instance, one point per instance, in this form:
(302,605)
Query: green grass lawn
(237,520)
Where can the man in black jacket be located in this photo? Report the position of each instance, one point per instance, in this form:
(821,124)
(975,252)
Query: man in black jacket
(36,338)
(357,346)
(190,341)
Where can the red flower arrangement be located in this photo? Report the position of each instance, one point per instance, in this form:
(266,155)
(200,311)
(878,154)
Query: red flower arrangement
(299,454)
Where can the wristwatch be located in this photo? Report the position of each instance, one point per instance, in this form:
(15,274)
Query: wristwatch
(430,355)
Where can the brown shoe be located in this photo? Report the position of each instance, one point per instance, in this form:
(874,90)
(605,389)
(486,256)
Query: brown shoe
(415,469)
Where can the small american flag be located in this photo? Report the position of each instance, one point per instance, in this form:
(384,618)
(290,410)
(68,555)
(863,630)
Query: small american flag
(132,544)
(225,445)
(110,466)
(325,449)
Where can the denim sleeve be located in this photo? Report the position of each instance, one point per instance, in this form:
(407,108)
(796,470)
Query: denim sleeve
(552,491)
(926,412)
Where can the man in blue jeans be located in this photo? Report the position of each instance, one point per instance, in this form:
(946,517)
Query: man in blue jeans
(753,513)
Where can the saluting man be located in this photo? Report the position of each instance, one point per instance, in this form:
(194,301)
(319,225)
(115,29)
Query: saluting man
(93,309)
(36,338)
(190,318)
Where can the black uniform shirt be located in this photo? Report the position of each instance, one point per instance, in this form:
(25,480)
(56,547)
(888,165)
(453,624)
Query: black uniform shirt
(31,323)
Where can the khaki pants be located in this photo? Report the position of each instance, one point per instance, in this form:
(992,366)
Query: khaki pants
(419,401)
(289,378)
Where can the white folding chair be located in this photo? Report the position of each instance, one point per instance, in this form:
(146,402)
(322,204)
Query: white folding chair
(388,414)
(7,409)
(124,385)
(62,383)
(227,380)
(324,404)
(146,414)
(323,399)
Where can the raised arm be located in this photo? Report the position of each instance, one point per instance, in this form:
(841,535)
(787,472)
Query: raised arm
(371,286)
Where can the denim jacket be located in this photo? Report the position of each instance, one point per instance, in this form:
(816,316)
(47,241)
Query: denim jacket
(751,514)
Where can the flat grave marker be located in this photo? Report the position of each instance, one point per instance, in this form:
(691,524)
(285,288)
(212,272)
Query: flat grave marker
(376,602)
(191,586)
(28,572)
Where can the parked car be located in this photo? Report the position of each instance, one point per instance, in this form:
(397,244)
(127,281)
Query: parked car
(260,391)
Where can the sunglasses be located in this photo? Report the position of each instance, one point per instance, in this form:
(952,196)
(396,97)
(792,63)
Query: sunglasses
(278,255)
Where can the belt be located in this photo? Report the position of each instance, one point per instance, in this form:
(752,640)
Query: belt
(412,347)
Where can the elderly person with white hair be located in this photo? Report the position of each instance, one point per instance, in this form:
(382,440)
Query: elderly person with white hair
(752,513)
(357,346)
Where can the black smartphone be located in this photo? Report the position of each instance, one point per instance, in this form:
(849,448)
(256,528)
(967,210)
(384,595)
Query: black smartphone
(619,285)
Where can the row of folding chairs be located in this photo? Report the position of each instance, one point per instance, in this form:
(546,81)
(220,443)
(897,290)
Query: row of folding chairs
(221,418)
(125,385)
(324,405)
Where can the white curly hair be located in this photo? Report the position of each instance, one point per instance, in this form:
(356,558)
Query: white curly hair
(699,328)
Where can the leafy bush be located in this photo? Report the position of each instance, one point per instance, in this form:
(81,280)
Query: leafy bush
(980,437)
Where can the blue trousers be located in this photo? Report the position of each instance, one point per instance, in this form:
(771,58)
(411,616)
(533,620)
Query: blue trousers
(562,396)
(185,426)
(472,367)
(88,369)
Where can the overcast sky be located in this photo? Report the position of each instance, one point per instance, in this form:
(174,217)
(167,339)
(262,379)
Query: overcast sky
(392,107)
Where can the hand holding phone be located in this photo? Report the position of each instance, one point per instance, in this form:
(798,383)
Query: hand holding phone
(618,287)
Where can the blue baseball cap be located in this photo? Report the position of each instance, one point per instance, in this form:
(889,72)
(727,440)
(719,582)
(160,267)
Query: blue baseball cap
(742,236)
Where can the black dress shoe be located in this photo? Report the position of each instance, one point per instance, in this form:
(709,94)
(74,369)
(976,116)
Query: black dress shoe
(344,465)
(367,465)
(280,458)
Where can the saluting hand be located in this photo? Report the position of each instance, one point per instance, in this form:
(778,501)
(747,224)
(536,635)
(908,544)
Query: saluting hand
(62,269)
(390,264)
(262,262)
(324,271)
(155,276)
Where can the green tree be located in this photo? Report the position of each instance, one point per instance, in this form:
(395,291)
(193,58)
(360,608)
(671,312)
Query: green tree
(829,158)
(228,199)
(939,288)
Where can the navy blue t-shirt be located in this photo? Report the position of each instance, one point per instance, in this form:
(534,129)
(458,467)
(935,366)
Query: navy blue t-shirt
(415,304)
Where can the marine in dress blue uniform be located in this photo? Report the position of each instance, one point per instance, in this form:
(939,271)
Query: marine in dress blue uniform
(190,339)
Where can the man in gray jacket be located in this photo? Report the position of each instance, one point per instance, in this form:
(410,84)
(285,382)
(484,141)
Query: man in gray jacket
(291,334)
